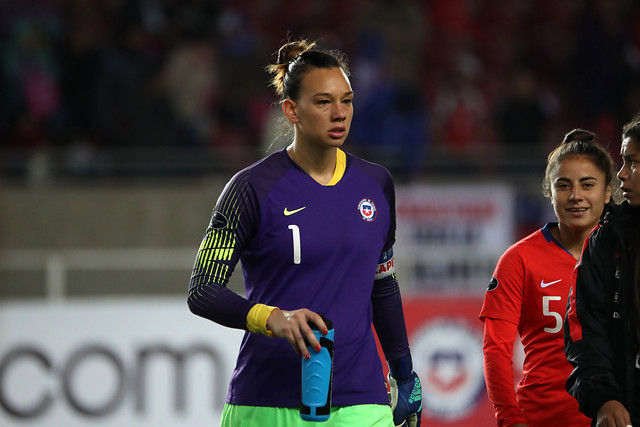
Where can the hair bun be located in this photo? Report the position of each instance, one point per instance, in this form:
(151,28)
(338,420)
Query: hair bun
(289,51)
(579,135)
(294,59)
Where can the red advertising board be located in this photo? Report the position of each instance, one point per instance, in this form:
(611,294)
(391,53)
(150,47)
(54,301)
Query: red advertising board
(445,336)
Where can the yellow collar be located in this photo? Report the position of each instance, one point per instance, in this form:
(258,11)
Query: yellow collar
(341,166)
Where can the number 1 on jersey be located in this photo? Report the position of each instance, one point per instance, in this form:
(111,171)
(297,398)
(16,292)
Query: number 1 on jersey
(295,233)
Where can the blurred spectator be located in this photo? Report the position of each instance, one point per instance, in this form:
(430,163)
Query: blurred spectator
(523,116)
(190,78)
(459,109)
(85,31)
(390,120)
(79,60)
(390,123)
(132,107)
(597,73)
(401,32)
(30,89)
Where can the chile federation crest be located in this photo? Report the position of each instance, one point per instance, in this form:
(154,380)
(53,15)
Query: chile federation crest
(367,209)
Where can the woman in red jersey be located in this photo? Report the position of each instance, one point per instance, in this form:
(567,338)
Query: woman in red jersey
(527,294)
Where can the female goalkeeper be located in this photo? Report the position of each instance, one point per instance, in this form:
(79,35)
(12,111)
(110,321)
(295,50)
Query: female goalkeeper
(313,227)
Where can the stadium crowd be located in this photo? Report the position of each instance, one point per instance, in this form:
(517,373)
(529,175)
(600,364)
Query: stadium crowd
(86,77)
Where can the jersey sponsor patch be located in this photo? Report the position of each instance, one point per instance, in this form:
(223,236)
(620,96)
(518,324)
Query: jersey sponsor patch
(493,283)
(218,221)
(367,209)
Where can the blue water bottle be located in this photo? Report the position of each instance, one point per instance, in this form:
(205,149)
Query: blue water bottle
(317,377)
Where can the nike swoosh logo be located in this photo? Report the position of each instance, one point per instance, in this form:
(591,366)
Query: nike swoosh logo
(287,212)
(544,285)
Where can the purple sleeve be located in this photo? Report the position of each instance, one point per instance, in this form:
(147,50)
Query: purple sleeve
(390,192)
(230,229)
(221,305)
(388,318)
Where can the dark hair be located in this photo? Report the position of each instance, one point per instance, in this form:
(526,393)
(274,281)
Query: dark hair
(632,129)
(580,142)
(295,59)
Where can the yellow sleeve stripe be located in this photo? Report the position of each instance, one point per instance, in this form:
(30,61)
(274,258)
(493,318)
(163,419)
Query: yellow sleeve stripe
(341,166)
(257,319)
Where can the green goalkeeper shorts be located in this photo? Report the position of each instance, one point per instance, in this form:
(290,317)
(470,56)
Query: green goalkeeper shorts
(344,416)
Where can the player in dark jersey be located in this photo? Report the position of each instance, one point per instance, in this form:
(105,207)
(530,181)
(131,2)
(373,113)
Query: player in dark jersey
(527,294)
(314,228)
(602,328)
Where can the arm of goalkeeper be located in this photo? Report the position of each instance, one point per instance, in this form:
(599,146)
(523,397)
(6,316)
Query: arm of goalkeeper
(405,393)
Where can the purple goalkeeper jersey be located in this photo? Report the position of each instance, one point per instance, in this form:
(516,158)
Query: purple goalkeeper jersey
(301,245)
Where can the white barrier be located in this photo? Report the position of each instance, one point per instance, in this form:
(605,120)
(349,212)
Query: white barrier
(56,264)
(112,362)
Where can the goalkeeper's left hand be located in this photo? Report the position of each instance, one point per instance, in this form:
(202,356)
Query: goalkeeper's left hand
(406,400)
